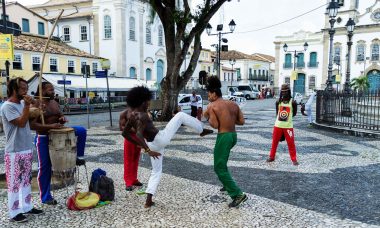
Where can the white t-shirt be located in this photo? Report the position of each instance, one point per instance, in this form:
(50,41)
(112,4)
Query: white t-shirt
(17,138)
(194,100)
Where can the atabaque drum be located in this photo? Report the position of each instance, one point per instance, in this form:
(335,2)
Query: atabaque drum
(62,149)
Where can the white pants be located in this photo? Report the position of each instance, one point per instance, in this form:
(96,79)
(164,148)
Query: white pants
(308,112)
(18,168)
(162,139)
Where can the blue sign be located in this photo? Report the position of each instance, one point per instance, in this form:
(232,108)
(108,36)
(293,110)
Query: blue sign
(64,82)
(101,74)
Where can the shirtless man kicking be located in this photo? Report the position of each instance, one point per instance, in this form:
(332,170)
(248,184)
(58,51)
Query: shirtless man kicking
(149,137)
(54,119)
(224,115)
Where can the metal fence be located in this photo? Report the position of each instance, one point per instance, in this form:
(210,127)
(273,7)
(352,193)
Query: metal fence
(356,110)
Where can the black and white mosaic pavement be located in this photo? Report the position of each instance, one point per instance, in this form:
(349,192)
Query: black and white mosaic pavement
(337,183)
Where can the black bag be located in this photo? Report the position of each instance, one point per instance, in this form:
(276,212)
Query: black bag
(104,187)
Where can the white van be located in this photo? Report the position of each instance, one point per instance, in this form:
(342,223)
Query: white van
(249,92)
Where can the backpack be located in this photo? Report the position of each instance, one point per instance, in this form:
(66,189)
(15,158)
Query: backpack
(102,185)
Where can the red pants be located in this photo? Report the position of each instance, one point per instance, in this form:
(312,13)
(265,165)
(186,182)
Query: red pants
(131,162)
(289,136)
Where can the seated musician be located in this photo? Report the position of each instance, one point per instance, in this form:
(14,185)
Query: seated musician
(54,119)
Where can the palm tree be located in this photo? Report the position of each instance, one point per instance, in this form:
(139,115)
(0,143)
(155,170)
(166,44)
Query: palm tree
(361,83)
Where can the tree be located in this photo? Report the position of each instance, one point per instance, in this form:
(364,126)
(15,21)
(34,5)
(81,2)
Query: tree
(175,20)
(361,83)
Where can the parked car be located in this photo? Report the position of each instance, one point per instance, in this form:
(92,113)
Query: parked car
(241,101)
(249,92)
(185,103)
(298,98)
(234,91)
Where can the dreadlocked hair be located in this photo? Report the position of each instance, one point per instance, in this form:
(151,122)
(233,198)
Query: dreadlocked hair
(14,85)
(281,99)
(214,85)
(138,95)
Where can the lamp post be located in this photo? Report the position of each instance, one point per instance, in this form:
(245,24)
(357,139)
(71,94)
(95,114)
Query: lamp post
(295,53)
(219,33)
(347,90)
(232,62)
(329,105)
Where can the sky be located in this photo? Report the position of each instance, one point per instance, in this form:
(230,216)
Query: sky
(255,14)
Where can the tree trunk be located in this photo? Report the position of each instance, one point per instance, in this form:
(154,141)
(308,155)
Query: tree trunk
(169,99)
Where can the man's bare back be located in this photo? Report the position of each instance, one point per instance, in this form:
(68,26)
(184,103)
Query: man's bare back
(224,115)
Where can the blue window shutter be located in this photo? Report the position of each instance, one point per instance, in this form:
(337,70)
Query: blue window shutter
(41,28)
(25,25)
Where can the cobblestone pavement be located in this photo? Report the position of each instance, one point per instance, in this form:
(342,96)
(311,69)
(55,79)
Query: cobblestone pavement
(336,184)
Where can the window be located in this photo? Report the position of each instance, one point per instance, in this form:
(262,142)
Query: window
(356,4)
(287,80)
(313,59)
(375,52)
(148,74)
(148,35)
(25,25)
(337,50)
(360,52)
(224,74)
(300,60)
(70,66)
(160,36)
(341,2)
(36,63)
(53,65)
(94,67)
(132,72)
(288,61)
(83,33)
(66,34)
(6,17)
(312,82)
(17,62)
(41,28)
(132,30)
(107,27)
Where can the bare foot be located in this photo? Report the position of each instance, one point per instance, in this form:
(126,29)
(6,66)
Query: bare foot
(148,205)
(149,202)
(206,132)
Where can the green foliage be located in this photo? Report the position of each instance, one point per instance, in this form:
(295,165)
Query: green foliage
(360,83)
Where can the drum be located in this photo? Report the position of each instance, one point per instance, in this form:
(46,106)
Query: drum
(62,149)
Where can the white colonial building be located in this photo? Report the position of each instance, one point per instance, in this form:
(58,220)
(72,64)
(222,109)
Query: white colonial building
(122,31)
(312,64)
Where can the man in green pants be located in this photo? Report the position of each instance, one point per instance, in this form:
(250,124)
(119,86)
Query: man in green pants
(224,115)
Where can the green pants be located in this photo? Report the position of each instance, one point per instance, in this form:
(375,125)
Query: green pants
(223,146)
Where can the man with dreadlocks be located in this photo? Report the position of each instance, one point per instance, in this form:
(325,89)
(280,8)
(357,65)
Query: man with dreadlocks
(224,115)
(18,155)
(148,137)
(286,109)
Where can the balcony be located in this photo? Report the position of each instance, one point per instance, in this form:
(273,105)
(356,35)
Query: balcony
(258,78)
(300,65)
(312,64)
(288,65)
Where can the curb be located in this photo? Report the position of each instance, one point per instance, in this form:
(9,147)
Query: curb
(348,131)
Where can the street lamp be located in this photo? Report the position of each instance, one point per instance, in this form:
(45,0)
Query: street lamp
(332,11)
(347,90)
(295,55)
(232,62)
(219,33)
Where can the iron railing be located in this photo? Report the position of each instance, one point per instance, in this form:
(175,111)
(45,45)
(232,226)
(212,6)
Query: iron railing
(357,110)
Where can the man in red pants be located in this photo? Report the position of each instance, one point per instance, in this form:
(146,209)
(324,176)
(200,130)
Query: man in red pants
(286,109)
(131,157)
